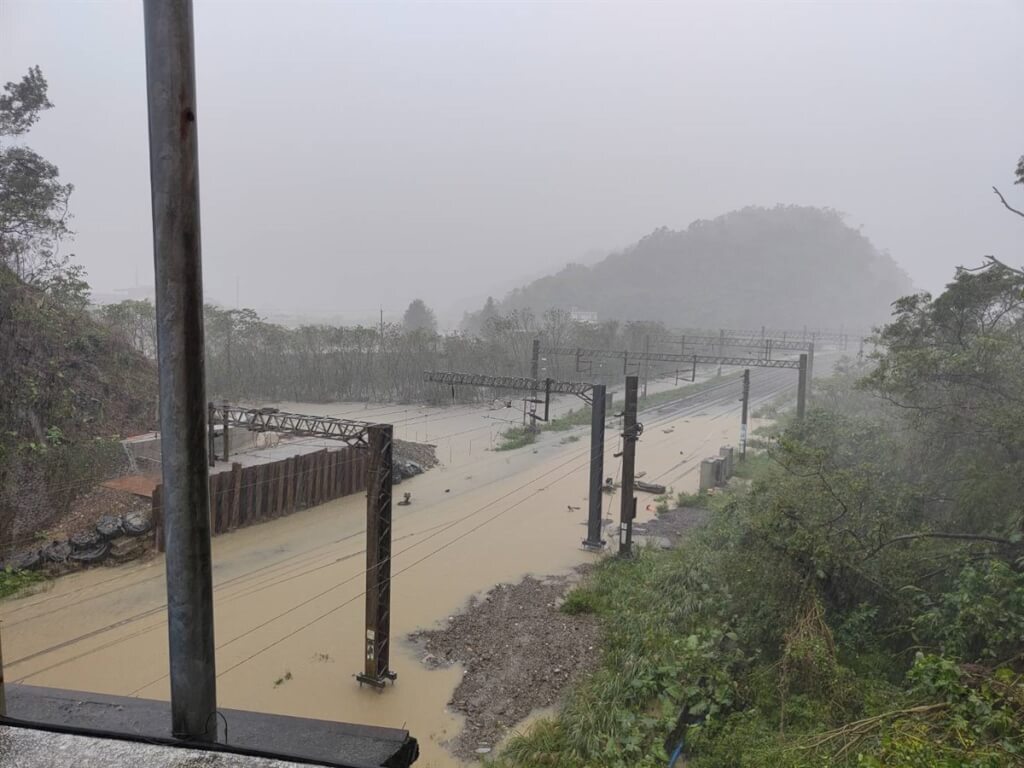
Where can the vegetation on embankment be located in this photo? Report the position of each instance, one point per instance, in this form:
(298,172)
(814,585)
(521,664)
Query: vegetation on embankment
(67,386)
(13,582)
(67,391)
(858,599)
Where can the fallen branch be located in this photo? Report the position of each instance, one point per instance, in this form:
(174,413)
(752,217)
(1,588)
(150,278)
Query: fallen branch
(859,728)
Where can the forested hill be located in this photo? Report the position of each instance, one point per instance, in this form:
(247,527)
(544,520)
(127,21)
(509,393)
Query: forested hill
(787,266)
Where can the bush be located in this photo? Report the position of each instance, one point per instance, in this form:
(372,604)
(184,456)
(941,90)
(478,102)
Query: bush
(517,437)
(13,582)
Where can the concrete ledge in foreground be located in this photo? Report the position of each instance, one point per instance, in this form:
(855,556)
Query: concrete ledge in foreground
(75,728)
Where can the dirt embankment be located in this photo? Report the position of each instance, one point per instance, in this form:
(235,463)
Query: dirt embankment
(519,652)
(673,525)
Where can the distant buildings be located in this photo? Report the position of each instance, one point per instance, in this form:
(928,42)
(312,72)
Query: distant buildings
(582,316)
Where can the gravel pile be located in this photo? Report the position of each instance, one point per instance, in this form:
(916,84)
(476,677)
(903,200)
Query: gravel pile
(519,652)
(419,453)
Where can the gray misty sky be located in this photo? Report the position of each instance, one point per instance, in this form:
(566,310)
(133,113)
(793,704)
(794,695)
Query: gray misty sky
(360,154)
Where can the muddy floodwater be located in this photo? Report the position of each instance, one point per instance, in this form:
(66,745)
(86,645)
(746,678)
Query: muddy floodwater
(288,599)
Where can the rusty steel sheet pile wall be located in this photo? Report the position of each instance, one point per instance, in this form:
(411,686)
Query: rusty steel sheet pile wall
(248,495)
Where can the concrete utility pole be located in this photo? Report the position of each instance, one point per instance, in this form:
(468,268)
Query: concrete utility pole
(801,388)
(630,434)
(174,179)
(743,414)
(378,558)
(594,496)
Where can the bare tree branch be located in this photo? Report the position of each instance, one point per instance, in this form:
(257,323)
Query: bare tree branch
(992,261)
(1008,206)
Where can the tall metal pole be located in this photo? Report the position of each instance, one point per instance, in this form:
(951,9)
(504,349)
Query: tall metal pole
(810,369)
(630,433)
(3,695)
(743,413)
(535,375)
(378,558)
(174,179)
(594,498)
(212,435)
(227,435)
(801,388)
(647,362)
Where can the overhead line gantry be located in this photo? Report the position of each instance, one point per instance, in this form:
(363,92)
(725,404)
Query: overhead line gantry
(593,394)
(586,355)
(378,440)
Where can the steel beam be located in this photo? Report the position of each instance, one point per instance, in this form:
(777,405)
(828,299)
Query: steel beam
(749,342)
(666,357)
(520,383)
(174,180)
(301,425)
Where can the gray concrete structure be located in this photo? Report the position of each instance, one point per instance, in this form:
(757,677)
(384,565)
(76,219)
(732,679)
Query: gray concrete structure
(30,748)
(114,720)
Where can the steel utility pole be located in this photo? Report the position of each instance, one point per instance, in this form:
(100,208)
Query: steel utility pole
(174,179)
(647,362)
(743,414)
(801,388)
(212,434)
(534,374)
(595,495)
(227,438)
(630,434)
(810,369)
(3,695)
(378,559)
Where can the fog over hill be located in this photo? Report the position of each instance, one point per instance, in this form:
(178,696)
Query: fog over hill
(785,266)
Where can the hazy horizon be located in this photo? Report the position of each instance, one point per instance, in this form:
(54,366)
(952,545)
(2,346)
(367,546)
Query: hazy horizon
(359,155)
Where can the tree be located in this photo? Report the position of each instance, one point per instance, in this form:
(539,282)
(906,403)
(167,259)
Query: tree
(419,317)
(33,201)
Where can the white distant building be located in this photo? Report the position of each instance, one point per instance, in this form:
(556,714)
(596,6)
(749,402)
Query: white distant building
(582,316)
